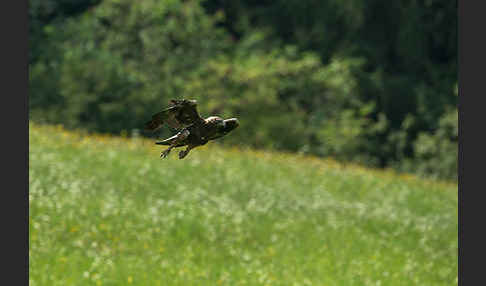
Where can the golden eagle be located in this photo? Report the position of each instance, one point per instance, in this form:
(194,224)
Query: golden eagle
(193,130)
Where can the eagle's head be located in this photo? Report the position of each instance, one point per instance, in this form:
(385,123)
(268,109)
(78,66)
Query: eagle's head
(229,125)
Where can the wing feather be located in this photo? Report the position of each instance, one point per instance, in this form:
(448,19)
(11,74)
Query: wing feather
(180,114)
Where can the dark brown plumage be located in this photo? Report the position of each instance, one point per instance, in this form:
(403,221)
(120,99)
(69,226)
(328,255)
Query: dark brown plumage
(193,130)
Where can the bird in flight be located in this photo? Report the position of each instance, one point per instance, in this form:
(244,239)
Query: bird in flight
(193,130)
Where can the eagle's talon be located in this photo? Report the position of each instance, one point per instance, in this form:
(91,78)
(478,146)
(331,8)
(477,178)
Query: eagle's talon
(165,153)
(182,154)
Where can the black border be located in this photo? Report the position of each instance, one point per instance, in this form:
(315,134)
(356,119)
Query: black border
(15,181)
(471,78)
(460,163)
(460,166)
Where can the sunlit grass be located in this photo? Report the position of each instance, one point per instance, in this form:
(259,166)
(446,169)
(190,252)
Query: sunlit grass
(107,210)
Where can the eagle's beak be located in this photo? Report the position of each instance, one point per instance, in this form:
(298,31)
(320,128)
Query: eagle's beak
(235,121)
(231,124)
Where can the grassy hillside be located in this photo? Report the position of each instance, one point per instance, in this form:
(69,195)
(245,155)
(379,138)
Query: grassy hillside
(108,211)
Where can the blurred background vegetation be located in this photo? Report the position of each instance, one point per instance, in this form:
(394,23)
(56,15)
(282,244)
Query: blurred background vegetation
(372,82)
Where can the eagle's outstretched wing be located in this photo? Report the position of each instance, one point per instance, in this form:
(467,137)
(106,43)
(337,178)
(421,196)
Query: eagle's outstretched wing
(180,114)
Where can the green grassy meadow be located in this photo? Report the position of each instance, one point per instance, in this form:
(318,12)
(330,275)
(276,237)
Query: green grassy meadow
(107,210)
